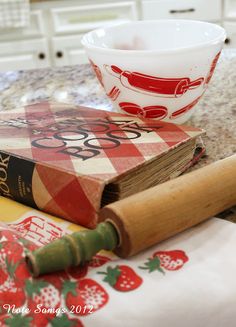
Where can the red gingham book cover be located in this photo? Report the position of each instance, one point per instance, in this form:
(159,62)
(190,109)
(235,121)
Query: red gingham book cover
(58,157)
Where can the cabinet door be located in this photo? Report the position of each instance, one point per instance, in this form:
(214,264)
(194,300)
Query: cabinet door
(67,50)
(82,18)
(209,10)
(19,55)
(229,9)
(230,28)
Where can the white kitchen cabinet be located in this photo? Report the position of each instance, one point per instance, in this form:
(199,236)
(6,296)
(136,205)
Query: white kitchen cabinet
(25,48)
(71,22)
(230,22)
(67,50)
(55,30)
(230,9)
(56,27)
(84,18)
(24,55)
(209,10)
(230,28)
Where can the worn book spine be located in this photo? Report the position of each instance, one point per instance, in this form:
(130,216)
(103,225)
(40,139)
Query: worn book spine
(50,189)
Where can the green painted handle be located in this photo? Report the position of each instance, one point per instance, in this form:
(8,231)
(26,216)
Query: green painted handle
(72,250)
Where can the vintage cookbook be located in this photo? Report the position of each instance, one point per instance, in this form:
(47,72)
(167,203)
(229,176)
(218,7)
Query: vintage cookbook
(70,161)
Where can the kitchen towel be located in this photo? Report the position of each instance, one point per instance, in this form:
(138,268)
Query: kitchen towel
(186,281)
(14,13)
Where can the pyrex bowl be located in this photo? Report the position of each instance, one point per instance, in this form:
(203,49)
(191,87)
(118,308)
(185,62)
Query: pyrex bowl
(155,69)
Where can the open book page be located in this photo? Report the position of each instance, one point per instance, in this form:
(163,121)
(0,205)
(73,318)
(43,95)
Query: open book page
(188,280)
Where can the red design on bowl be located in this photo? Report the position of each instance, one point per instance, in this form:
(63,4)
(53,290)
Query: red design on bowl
(97,72)
(180,112)
(156,111)
(157,86)
(213,66)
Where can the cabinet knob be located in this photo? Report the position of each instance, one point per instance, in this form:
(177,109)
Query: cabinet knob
(227,40)
(41,55)
(59,54)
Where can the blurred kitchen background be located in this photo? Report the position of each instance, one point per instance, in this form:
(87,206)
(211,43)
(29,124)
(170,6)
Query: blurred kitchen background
(37,34)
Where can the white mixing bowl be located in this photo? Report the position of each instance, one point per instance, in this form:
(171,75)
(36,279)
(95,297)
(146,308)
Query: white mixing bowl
(155,69)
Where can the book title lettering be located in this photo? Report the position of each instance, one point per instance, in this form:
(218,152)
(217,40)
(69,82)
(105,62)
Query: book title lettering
(4,188)
(91,137)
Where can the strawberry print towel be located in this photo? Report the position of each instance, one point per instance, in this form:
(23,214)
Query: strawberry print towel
(188,280)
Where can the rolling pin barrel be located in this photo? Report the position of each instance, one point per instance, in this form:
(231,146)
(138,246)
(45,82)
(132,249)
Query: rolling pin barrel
(144,219)
(160,212)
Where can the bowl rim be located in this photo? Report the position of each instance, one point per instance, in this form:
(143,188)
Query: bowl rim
(217,40)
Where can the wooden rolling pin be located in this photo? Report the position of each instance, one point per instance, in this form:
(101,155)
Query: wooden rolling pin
(144,219)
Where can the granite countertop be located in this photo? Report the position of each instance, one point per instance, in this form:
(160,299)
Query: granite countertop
(216,111)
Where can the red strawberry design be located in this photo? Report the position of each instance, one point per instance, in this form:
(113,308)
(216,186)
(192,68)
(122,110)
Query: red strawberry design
(47,287)
(11,250)
(8,235)
(98,261)
(43,296)
(21,273)
(13,273)
(3,318)
(122,278)
(16,271)
(169,260)
(3,276)
(12,261)
(12,293)
(172,260)
(158,112)
(65,321)
(78,272)
(86,295)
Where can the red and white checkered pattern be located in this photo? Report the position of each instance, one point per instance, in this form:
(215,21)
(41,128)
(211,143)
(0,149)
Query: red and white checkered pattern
(66,185)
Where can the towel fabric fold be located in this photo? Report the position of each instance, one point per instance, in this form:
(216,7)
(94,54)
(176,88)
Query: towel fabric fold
(14,13)
(186,281)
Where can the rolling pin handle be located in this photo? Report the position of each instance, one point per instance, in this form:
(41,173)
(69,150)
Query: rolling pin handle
(72,250)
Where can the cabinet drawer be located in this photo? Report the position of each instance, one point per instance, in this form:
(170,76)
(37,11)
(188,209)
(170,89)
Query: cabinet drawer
(67,50)
(187,9)
(87,17)
(24,55)
(231,34)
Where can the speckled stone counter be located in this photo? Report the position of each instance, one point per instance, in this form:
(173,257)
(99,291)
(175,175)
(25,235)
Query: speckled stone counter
(216,111)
